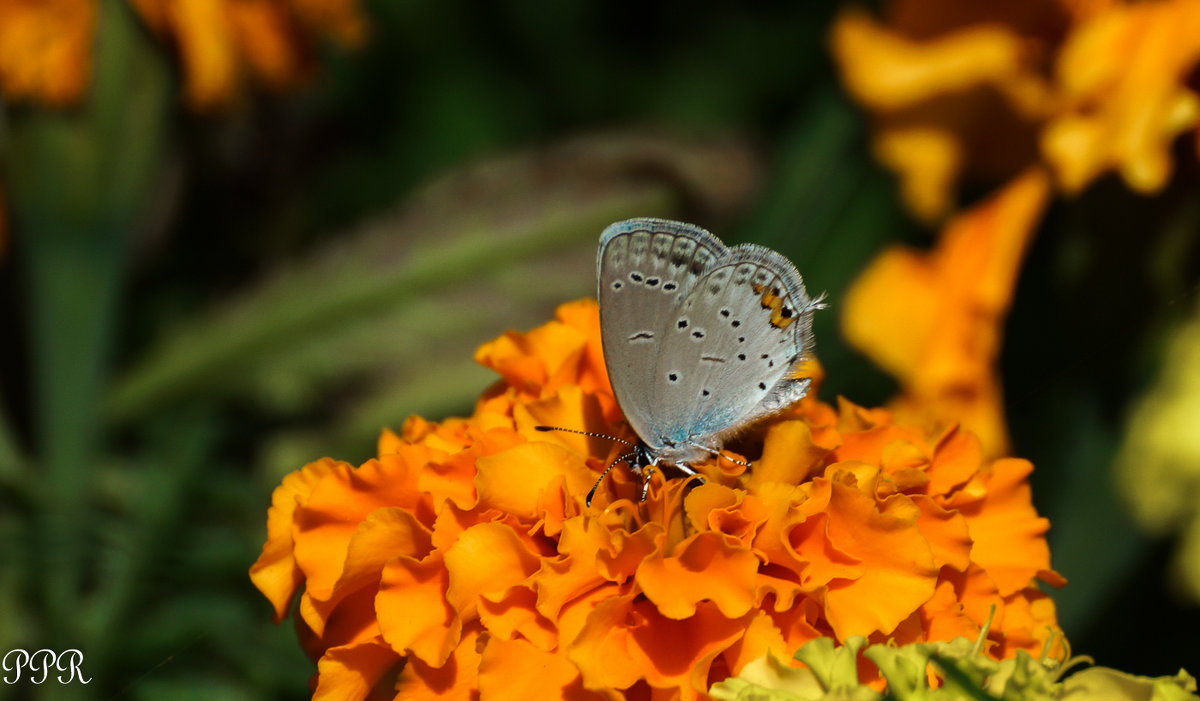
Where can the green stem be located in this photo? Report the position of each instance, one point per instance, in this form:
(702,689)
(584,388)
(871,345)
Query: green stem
(77,181)
(74,277)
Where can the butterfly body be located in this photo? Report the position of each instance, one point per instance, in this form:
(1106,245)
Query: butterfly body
(700,339)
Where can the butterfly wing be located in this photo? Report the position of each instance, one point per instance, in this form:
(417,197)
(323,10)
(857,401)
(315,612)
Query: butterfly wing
(699,339)
(645,269)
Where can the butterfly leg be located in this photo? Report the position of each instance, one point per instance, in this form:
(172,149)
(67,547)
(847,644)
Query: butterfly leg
(694,481)
(714,451)
(649,472)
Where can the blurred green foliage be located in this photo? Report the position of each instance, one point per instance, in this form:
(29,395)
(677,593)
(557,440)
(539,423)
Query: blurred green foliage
(194,306)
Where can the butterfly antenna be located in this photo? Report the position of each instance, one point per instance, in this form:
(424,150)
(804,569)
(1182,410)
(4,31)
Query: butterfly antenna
(582,433)
(611,465)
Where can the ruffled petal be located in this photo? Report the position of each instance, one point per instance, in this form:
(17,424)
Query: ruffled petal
(457,679)
(517,670)
(355,672)
(414,615)
(276,573)
(1008,534)
(901,575)
(705,567)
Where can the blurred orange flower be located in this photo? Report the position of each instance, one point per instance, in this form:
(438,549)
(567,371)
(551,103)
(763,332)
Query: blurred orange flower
(1122,78)
(46,49)
(46,45)
(463,557)
(934,320)
(985,90)
(221,43)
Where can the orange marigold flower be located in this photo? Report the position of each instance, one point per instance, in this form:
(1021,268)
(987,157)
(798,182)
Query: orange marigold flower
(1122,76)
(934,320)
(45,49)
(463,558)
(223,42)
(987,90)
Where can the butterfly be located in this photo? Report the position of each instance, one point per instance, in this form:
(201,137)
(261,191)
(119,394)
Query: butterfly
(700,339)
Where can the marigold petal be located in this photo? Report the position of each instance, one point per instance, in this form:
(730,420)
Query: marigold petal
(714,507)
(787,529)
(778,584)
(388,442)
(355,671)
(414,615)
(1007,532)
(516,670)
(528,361)
(707,566)
(276,573)
(486,558)
(761,636)
(928,161)
(957,457)
(934,320)
(1123,77)
(626,551)
(869,446)
(589,555)
(1029,621)
(350,620)
(886,71)
(943,617)
(893,328)
(263,33)
(946,532)
(324,525)
(452,478)
(790,455)
(807,537)
(515,481)
(46,49)
(567,408)
(384,534)
(898,573)
(457,679)
(625,641)
(514,613)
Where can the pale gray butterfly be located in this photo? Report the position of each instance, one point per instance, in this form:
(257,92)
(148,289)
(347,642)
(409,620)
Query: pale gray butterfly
(700,339)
